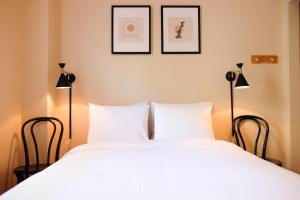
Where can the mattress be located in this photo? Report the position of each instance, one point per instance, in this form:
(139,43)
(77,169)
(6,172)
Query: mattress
(169,170)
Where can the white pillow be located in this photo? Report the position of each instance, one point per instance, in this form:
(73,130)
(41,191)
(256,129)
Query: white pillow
(111,123)
(182,121)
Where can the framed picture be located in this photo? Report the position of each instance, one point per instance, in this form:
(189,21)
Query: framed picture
(180,30)
(131,29)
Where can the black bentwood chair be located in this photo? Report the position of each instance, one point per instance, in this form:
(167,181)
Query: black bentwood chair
(262,125)
(27,170)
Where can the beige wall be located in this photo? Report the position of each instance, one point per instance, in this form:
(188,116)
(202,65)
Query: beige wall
(294,81)
(53,52)
(35,65)
(29,37)
(295,84)
(231,32)
(11,20)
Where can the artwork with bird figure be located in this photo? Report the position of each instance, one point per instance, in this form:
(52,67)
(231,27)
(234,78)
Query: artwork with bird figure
(180,29)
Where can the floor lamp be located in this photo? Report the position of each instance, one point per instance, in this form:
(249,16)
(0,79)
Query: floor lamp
(65,81)
(241,83)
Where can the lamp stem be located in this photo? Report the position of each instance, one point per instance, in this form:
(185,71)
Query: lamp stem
(70,112)
(231,102)
(232,114)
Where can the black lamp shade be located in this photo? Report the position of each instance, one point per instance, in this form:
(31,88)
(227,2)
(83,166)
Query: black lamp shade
(63,82)
(241,82)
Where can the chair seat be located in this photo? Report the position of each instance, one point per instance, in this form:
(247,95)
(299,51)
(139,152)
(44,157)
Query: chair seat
(20,171)
(274,161)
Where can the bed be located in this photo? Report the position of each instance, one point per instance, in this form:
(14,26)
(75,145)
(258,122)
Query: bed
(184,161)
(185,169)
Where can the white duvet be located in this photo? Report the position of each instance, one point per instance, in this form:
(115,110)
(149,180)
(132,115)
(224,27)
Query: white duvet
(168,170)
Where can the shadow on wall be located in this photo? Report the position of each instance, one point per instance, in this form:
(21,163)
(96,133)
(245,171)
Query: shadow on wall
(14,160)
(79,120)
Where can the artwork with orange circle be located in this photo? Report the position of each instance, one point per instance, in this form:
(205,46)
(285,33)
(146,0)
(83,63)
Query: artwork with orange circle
(131,29)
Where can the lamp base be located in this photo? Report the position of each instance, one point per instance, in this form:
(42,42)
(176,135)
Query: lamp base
(71,77)
(230,76)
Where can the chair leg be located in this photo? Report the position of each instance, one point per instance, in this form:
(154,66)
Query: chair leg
(20,178)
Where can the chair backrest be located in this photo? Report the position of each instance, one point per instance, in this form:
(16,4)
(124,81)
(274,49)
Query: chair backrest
(33,122)
(261,123)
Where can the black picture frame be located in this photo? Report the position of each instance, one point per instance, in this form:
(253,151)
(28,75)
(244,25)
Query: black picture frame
(113,49)
(198,50)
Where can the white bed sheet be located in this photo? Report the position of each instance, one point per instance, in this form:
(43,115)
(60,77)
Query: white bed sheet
(168,170)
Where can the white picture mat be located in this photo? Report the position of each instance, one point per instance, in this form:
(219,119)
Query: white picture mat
(131,12)
(183,46)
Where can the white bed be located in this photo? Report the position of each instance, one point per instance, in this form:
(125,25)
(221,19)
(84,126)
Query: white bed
(168,170)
